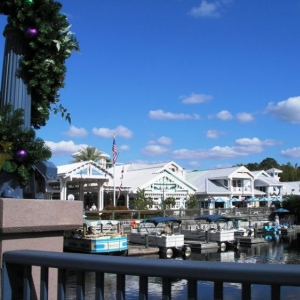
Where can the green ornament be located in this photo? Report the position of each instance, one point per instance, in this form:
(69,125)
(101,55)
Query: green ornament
(29,1)
(9,166)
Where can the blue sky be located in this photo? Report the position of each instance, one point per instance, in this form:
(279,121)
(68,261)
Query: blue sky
(204,83)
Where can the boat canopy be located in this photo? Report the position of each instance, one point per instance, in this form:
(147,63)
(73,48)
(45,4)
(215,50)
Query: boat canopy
(100,222)
(212,218)
(157,220)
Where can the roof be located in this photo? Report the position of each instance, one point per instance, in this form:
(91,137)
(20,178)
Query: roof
(84,169)
(205,181)
(138,176)
(291,188)
(212,218)
(157,220)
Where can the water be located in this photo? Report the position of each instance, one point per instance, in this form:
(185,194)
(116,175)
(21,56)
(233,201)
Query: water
(282,250)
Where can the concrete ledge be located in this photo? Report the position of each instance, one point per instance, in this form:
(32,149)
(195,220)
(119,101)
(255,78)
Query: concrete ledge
(21,216)
(37,225)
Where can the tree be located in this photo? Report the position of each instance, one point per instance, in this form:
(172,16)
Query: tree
(191,202)
(293,205)
(269,163)
(88,153)
(141,202)
(169,202)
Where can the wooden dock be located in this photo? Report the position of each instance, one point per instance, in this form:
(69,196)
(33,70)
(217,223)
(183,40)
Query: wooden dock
(137,250)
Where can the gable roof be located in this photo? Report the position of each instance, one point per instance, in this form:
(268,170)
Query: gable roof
(266,179)
(84,169)
(133,176)
(205,181)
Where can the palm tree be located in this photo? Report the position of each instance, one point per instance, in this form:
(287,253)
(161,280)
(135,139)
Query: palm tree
(89,153)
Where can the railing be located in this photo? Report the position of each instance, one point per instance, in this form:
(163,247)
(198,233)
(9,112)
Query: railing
(275,276)
(180,213)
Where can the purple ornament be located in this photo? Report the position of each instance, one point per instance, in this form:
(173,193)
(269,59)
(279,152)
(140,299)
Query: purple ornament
(21,155)
(31,32)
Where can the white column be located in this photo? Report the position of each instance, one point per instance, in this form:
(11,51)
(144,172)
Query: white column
(63,189)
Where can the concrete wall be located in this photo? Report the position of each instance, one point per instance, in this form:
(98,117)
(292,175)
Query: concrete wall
(37,225)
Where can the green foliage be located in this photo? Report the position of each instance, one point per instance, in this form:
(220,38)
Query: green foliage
(43,65)
(191,202)
(88,153)
(289,172)
(292,203)
(169,202)
(14,138)
(141,202)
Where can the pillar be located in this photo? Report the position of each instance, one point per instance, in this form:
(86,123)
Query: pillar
(14,91)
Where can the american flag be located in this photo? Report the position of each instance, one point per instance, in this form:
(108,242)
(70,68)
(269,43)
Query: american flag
(114,150)
(119,193)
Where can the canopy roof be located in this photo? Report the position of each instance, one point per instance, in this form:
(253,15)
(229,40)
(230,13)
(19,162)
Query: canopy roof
(212,218)
(157,220)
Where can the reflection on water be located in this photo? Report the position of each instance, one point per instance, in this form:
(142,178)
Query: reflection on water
(278,250)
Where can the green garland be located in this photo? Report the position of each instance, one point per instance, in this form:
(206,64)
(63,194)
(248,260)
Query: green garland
(43,65)
(15,140)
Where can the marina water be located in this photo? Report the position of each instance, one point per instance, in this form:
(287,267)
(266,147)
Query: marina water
(277,250)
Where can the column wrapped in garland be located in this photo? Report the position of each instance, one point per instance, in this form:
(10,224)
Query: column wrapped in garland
(38,42)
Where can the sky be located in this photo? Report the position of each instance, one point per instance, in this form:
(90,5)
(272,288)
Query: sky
(206,84)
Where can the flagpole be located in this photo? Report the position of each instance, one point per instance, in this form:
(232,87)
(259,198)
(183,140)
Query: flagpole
(114,189)
(115,154)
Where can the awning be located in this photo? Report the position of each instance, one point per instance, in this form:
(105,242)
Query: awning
(212,218)
(157,220)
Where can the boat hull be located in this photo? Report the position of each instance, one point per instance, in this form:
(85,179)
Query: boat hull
(99,245)
(213,236)
(162,241)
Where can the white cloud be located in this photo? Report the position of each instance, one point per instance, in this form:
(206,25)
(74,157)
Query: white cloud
(213,153)
(120,131)
(288,110)
(244,117)
(214,134)
(224,115)
(242,147)
(209,9)
(195,98)
(164,140)
(291,153)
(64,147)
(76,132)
(194,164)
(161,115)
(205,10)
(154,150)
(124,148)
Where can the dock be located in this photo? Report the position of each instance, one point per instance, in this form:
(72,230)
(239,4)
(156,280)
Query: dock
(250,240)
(201,245)
(137,250)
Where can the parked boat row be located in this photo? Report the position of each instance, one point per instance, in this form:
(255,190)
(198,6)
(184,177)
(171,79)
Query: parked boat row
(168,234)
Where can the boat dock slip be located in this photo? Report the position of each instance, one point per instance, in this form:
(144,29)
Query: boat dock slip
(250,240)
(200,245)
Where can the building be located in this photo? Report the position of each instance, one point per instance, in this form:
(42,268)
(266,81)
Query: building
(229,187)
(81,181)
(159,181)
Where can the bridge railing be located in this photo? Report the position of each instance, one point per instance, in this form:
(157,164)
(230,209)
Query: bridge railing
(19,264)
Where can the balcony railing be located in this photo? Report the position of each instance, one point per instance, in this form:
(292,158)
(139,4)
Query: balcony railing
(274,276)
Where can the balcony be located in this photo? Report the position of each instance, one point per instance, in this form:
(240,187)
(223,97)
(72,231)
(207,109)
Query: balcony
(19,264)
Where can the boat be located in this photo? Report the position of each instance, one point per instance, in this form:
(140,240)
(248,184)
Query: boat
(97,237)
(161,232)
(211,231)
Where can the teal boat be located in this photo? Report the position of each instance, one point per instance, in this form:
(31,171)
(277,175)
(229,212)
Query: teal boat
(97,237)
